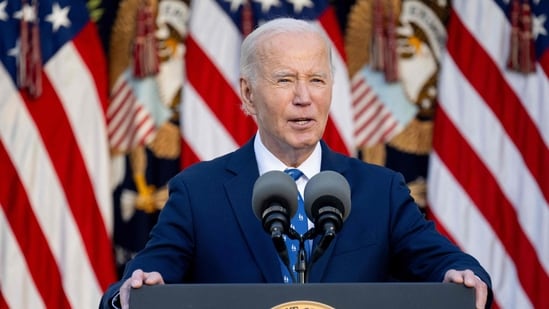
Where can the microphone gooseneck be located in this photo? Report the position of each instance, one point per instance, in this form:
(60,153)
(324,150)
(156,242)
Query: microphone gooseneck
(274,203)
(328,204)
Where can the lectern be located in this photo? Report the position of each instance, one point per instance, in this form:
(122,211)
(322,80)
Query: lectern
(304,296)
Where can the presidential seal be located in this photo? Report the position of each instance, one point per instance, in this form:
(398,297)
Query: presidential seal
(303,304)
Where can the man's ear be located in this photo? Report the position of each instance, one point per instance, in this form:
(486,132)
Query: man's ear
(247,96)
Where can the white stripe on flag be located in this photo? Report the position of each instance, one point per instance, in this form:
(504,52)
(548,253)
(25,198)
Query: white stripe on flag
(341,110)
(373,121)
(221,47)
(30,158)
(202,130)
(493,34)
(130,124)
(487,137)
(82,107)
(500,118)
(12,265)
(472,237)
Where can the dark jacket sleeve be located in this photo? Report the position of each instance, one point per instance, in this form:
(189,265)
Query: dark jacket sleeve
(108,300)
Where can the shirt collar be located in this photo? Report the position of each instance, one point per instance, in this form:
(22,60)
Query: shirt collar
(266,161)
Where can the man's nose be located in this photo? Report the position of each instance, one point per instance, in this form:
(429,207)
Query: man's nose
(302,93)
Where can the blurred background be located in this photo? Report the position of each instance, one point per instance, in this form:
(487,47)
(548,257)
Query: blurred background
(102,102)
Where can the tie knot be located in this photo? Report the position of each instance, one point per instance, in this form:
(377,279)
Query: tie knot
(294,173)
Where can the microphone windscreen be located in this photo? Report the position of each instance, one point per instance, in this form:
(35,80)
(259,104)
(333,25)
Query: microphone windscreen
(327,188)
(274,187)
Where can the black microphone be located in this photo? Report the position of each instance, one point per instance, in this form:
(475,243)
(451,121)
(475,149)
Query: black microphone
(328,204)
(274,202)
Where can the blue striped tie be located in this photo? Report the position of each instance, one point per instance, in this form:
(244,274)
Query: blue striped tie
(299,223)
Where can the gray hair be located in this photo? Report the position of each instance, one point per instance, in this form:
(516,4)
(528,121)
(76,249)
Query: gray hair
(251,44)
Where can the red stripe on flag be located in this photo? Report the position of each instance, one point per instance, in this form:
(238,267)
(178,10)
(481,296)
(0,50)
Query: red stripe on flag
(380,121)
(188,156)
(119,104)
(3,303)
(89,47)
(55,129)
(483,189)
(501,99)
(127,126)
(358,113)
(329,22)
(389,131)
(146,123)
(440,228)
(334,139)
(222,101)
(373,117)
(34,245)
(544,62)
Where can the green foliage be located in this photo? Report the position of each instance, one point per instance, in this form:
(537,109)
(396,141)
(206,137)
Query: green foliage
(95,9)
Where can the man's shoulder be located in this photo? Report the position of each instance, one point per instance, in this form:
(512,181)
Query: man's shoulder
(204,168)
(226,164)
(354,165)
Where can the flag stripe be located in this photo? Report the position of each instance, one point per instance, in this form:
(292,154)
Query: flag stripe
(364,99)
(12,265)
(335,139)
(382,127)
(469,113)
(339,131)
(35,169)
(223,102)
(544,62)
(504,103)
(494,35)
(62,147)
(219,40)
(123,139)
(190,156)
(18,211)
(87,120)
(205,125)
(57,201)
(476,237)
(88,36)
(129,123)
(373,121)
(488,178)
(3,303)
(330,25)
(484,191)
(120,106)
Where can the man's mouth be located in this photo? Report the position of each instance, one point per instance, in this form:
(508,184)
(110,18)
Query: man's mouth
(301,121)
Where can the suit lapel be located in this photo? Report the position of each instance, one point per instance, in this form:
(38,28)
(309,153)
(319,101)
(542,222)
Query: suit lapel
(239,190)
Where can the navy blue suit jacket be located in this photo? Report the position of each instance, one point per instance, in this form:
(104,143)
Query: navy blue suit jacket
(208,233)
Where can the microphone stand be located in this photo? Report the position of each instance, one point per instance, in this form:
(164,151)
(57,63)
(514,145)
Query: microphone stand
(320,248)
(301,263)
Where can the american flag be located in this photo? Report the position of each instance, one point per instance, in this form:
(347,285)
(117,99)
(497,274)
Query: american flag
(55,199)
(374,122)
(488,182)
(212,122)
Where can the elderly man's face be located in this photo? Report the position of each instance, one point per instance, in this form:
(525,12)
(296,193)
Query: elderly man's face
(292,94)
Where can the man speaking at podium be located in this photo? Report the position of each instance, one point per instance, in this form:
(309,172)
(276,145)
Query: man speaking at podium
(208,232)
